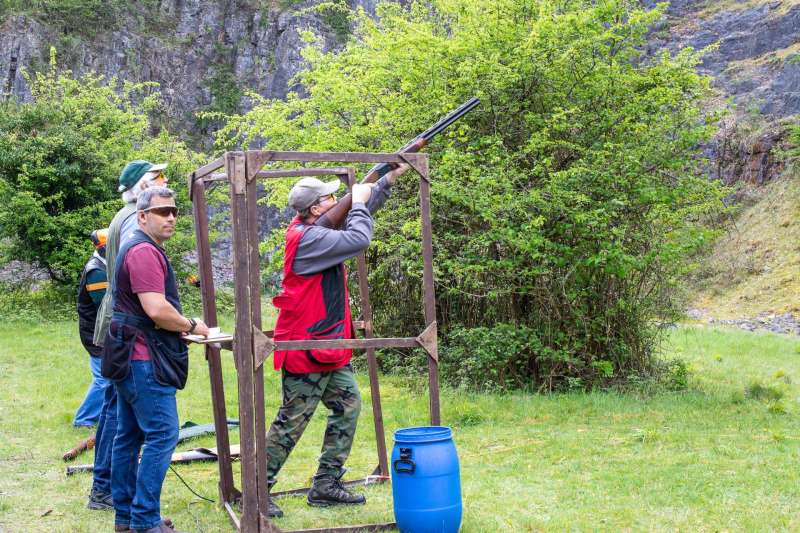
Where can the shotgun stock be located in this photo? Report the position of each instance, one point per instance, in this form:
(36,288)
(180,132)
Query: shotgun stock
(335,216)
(85,444)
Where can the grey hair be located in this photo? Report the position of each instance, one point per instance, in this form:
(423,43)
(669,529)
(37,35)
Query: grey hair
(130,195)
(147,195)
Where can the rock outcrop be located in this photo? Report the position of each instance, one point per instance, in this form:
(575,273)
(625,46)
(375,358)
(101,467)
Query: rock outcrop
(757,54)
(255,45)
(753,54)
(245,45)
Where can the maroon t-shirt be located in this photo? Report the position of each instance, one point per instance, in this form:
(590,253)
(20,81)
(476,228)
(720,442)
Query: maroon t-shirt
(144,270)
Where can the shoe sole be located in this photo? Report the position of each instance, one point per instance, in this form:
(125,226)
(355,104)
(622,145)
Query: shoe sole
(325,503)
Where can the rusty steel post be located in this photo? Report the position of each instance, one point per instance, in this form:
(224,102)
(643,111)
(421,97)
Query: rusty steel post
(372,362)
(375,393)
(428,291)
(254,281)
(227,490)
(243,341)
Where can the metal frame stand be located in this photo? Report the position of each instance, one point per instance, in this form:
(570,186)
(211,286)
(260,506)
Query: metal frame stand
(252,346)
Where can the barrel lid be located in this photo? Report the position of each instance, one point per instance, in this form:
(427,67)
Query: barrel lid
(423,434)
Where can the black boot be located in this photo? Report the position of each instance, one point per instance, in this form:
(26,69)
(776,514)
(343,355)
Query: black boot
(100,501)
(274,511)
(328,490)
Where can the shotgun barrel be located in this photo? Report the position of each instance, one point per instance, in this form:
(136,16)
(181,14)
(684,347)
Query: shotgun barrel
(335,216)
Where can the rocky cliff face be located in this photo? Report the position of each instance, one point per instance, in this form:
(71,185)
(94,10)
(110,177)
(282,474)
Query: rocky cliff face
(757,55)
(200,52)
(754,57)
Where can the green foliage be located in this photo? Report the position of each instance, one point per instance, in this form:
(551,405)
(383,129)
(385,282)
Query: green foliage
(37,304)
(565,206)
(499,358)
(226,97)
(60,156)
(83,17)
(676,375)
(792,153)
(336,15)
(758,391)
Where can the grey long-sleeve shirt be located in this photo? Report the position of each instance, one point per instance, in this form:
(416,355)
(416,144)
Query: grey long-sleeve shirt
(321,248)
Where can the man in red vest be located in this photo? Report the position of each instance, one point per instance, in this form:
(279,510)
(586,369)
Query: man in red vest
(314,304)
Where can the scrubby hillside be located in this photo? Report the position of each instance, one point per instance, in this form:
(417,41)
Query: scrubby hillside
(754,268)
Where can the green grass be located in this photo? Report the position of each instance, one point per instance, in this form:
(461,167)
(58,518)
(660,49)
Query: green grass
(724,455)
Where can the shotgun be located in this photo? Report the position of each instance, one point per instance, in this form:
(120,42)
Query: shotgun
(335,216)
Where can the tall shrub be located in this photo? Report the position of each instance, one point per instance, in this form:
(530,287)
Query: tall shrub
(566,205)
(60,157)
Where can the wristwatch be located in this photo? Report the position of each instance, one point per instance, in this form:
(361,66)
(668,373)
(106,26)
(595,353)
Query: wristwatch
(193,323)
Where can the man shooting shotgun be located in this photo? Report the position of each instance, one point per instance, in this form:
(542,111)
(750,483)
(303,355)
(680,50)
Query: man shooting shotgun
(314,304)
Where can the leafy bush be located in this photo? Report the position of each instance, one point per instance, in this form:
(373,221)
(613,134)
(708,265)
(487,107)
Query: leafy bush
(758,391)
(60,158)
(565,207)
(792,152)
(502,357)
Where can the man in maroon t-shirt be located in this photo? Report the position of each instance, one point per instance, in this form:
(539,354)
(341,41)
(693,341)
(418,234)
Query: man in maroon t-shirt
(146,301)
(147,272)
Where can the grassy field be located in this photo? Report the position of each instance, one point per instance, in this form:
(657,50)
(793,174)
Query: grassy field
(722,456)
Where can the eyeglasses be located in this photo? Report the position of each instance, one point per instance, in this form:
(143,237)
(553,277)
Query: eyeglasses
(327,197)
(163,211)
(159,178)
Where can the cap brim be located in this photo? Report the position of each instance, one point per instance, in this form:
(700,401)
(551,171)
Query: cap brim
(158,167)
(331,187)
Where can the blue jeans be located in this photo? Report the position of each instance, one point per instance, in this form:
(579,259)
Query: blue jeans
(104,441)
(89,412)
(147,414)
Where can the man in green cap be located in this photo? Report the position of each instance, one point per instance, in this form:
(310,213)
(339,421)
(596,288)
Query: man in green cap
(137,176)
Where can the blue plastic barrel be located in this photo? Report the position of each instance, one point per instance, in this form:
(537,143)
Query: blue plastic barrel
(426,483)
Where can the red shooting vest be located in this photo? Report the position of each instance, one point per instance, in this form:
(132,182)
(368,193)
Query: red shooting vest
(311,307)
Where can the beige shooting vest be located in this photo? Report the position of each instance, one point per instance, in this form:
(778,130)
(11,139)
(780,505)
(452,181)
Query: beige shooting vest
(112,247)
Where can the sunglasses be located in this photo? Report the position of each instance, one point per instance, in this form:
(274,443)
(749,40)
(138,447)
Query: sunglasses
(163,211)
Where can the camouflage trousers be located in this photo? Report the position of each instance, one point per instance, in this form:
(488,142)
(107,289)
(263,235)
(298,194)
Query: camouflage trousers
(302,393)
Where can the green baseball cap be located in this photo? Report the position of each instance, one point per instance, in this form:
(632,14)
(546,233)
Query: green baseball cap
(134,171)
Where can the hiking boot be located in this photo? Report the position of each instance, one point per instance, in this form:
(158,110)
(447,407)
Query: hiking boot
(329,490)
(274,511)
(100,501)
